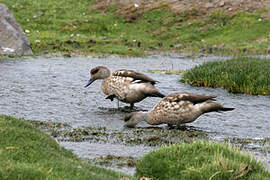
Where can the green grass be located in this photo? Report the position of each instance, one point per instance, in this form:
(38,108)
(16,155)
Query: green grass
(200,160)
(74,27)
(238,75)
(28,153)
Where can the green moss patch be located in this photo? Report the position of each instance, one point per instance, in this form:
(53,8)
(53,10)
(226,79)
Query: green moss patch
(239,75)
(200,160)
(112,160)
(28,153)
(135,136)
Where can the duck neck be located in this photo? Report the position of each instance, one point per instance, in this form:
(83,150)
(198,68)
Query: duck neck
(105,83)
(107,73)
(145,116)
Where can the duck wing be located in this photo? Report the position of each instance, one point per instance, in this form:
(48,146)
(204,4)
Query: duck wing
(135,75)
(194,98)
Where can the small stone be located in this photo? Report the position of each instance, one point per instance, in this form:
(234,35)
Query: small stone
(37,41)
(221,45)
(222,3)
(26,31)
(145,178)
(125,178)
(178,46)
(7,50)
(266,15)
(209,5)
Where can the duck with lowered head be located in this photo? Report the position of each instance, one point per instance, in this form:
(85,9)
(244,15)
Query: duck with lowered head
(176,109)
(125,85)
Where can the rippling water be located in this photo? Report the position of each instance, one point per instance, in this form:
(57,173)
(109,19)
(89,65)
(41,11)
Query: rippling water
(52,89)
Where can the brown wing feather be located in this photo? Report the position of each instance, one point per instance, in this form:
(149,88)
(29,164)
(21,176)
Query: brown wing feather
(194,98)
(135,75)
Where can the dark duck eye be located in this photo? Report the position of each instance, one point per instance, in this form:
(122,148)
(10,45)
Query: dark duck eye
(94,71)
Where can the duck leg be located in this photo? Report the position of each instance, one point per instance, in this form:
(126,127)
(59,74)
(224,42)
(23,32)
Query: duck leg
(118,104)
(131,106)
(111,97)
(170,126)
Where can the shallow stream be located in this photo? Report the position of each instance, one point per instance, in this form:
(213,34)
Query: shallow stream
(52,90)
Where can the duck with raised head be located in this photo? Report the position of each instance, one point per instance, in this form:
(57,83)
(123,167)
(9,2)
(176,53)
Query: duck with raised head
(176,109)
(125,85)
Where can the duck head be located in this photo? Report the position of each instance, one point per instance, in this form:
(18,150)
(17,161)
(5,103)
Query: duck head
(99,72)
(134,118)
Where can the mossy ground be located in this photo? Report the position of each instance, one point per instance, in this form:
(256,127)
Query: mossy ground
(112,160)
(78,27)
(238,75)
(28,153)
(154,136)
(200,160)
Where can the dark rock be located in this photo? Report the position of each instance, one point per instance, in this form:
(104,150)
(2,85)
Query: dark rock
(91,41)
(12,38)
(139,44)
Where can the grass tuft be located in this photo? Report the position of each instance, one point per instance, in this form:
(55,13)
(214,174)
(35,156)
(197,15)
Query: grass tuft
(238,75)
(28,153)
(200,160)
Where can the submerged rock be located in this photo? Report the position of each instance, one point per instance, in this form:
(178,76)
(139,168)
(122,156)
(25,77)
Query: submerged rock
(12,38)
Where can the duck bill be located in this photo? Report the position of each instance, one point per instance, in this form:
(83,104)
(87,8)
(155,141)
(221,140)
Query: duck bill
(89,82)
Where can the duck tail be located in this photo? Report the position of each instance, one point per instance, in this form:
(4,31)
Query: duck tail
(157,94)
(211,106)
(226,109)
